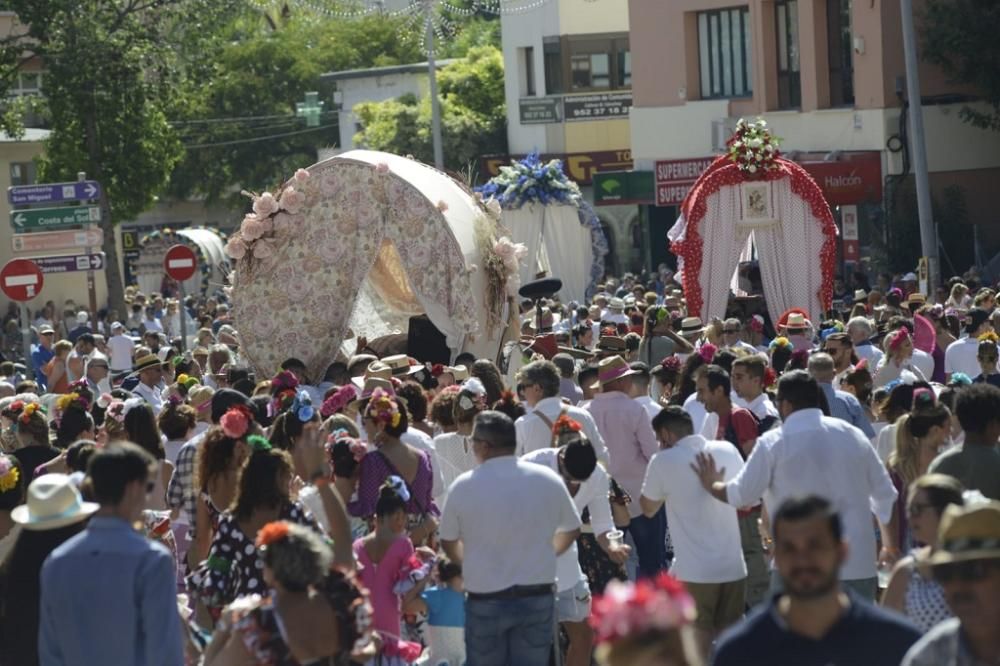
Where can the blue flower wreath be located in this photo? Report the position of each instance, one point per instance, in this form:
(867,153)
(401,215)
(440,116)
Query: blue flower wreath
(302,407)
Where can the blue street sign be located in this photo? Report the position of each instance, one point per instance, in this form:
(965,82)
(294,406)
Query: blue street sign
(22,195)
(71,263)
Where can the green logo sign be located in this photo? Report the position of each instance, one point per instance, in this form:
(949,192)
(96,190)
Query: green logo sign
(48,218)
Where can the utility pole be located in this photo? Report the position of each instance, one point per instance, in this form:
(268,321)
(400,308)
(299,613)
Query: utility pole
(433,89)
(918,148)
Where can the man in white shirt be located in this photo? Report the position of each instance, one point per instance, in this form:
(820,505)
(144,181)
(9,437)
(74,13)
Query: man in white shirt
(121,347)
(587,483)
(962,354)
(539,381)
(732,336)
(747,379)
(708,554)
(149,368)
(819,455)
(861,330)
(640,389)
(505,523)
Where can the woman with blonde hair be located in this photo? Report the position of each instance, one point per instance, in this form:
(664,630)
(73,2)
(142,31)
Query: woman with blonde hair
(920,435)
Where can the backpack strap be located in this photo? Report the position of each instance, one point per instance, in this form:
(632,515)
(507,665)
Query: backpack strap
(550,424)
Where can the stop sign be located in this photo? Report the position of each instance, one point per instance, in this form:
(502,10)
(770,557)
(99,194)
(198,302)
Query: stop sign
(21,280)
(180,262)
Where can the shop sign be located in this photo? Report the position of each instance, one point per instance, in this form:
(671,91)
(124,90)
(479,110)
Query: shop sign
(579,167)
(674,178)
(617,188)
(855,178)
(539,110)
(597,107)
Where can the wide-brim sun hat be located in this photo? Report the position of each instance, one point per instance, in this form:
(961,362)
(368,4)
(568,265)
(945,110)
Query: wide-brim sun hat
(611,369)
(53,501)
(967,533)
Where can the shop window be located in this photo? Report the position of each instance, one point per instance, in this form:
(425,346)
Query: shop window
(26,83)
(786,16)
(22,173)
(838,25)
(724,53)
(600,64)
(552,59)
(527,62)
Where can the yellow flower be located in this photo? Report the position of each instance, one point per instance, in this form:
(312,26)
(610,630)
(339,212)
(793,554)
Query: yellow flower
(9,480)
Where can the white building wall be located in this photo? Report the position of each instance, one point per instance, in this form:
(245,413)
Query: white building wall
(372,89)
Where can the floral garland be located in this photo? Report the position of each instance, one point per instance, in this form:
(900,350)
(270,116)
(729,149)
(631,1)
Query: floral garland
(343,396)
(501,259)
(383,409)
(272,214)
(530,181)
(753,148)
(630,609)
(9,474)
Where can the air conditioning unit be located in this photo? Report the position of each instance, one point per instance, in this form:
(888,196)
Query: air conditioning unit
(722,129)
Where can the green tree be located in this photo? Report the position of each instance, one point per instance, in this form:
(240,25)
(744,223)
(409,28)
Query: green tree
(241,118)
(473,114)
(961,37)
(113,70)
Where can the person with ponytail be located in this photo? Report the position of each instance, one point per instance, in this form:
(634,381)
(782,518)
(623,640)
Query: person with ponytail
(454,450)
(393,571)
(316,613)
(987,357)
(231,569)
(385,420)
(31,429)
(298,417)
(920,436)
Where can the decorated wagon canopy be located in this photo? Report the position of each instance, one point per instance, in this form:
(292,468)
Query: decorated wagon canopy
(208,245)
(358,244)
(752,195)
(545,211)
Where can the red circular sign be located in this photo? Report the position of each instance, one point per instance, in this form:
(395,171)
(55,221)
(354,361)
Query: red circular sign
(21,280)
(180,263)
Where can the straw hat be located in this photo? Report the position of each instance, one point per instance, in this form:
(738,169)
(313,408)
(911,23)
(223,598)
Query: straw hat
(860,295)
(200,397)
(146,362)
(796,320)
(459,372)
(611,344)
(400,365)
(53,501)
(692,325)
(611,369)
(968,533)
(375,369)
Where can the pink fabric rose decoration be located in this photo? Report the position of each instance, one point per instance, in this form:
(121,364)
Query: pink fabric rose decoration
(265,205)
(264,249)
(301,176)
(442,205)
(252,227)
(292,200)
(493,206)
(234,423)
(382,168)
(236,248)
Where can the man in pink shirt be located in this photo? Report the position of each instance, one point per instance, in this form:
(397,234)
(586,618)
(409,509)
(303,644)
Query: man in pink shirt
(631,442)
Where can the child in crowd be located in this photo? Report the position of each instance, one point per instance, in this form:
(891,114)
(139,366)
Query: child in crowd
(445,607)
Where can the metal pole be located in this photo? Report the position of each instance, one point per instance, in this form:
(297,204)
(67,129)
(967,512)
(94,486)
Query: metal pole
(432,79)
(26,340)
(182,308)
(91,279)
(918,148)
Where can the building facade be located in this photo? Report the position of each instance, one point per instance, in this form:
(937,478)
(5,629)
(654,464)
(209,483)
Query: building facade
(568,87)
(829,78)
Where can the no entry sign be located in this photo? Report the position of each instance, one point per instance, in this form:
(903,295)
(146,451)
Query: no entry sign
(21,280)
(180,262)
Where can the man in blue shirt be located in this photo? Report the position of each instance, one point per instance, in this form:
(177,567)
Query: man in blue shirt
(109,595)
(42,353)
(815,622)
(843,405)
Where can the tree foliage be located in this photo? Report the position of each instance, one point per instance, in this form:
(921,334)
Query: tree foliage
(473,114)
(960,36)
(112,74)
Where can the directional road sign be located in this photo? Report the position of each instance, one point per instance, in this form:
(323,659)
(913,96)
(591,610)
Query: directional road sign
(49,218)
(21,280)
(52,192)
(70,264)
(43,241)
(180,262)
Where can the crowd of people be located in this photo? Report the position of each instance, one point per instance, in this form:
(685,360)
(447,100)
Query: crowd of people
(641,488)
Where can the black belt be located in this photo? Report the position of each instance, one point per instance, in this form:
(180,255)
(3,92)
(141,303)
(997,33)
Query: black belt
(514,592)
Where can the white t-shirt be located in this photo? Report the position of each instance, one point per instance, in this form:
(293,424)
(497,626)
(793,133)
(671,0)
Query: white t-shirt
(455,455)
(704,531)
(961,357)
(534,433)
(592,494)
(505,512)
(121,348)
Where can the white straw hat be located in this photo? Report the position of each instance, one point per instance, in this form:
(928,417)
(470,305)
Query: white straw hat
(53,501)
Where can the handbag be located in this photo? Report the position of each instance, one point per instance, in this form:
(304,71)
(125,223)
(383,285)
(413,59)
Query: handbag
(619,505)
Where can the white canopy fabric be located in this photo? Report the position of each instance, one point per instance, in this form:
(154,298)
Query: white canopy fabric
(208,245)
(557,244)
(381,238)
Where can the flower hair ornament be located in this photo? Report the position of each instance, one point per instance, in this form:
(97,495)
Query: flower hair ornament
(9,474)
(770,377)
(78,385)
(302,407)
(780,342)
(671,364)
(923,398)
(437,370)
(271,533)
(116,411)
(989,336)
(756,324)
(258,443)
(707,352)
(68,400)
(630,609)
(565,425)
(235,423)
(861,365)
(960,379)
(28,410)
(105,400)
(340,399)
(186,382)
(356,446)
(399,487)
(383,408)
(898,337)
(284,388)
(473,394)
